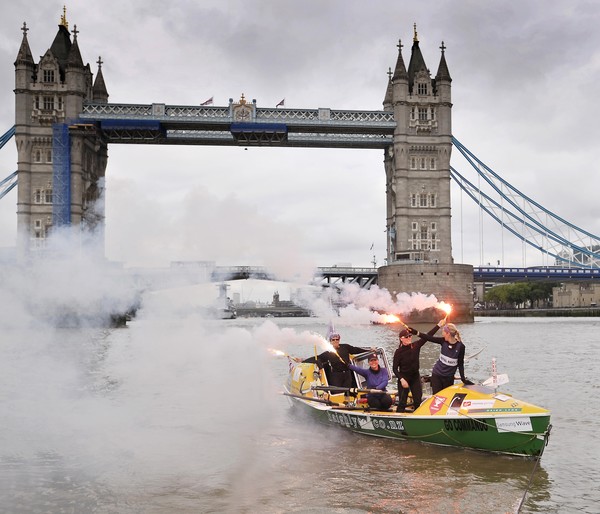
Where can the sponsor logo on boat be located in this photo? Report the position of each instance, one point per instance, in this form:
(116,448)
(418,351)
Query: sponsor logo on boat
(514,424)
(478,404)
(466,425)
(436,404)
(367,423)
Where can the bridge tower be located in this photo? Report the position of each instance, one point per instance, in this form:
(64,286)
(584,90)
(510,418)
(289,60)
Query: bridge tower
(417,167)
(61,163)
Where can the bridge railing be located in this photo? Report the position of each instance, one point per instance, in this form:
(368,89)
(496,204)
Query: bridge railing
(384,119)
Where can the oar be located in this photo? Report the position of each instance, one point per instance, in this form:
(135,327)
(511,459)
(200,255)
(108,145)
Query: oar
(318,400)
(473,355)
(349,389)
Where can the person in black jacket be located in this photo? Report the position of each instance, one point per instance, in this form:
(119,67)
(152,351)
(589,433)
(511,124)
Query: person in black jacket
(407,368)
(452,357)
(338,373)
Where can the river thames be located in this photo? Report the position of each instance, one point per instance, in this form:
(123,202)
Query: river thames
(178,414)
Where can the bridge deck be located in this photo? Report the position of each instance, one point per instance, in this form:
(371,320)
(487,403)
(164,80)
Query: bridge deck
(212,125)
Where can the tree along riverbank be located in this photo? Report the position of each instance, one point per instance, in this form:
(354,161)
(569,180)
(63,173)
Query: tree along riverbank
(575,312)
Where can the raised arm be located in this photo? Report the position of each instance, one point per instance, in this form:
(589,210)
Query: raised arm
(427,336)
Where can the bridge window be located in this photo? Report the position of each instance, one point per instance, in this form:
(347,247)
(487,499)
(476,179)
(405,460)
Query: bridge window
(423,200)
(422,163)
(48,76)
(421,89)
(37,196)
(48,196)
(432,164)
(422,113)
(48,103)
(60,103)
(432,200)
(48,155)
(415,226)
(412,113)
(433,226)
(37,156)
(432,113)
(413,163)
(413,200)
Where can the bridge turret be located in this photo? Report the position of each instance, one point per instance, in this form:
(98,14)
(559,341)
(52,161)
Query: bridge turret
(99,92)
(388,100)
(25,71)
(443,91)
(77,79)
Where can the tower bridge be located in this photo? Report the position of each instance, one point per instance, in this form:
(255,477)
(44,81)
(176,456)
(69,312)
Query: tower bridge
(64,124)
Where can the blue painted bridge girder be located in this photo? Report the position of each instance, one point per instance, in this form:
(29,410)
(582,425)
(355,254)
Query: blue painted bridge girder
(213,125)
(541,273)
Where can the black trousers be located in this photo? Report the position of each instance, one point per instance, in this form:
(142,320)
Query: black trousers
(414,386)
(340,378)
(439,382)
(379,401)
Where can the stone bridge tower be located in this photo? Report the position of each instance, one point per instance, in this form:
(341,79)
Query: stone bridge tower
(417,167)
(61,163)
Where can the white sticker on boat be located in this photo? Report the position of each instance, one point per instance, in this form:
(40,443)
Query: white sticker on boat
(366,424)
(522,424)
(477,404)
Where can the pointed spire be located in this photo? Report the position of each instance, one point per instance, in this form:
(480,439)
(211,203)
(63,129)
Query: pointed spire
(24,56)
(99,92)
(74,56)
(443,73)
(415,37)
(389,92)
(417,63)
(400,69)
(61,46)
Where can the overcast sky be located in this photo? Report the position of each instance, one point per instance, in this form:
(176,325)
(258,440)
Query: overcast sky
(524,90)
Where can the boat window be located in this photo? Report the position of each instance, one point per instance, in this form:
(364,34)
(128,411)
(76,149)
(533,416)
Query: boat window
(362,361)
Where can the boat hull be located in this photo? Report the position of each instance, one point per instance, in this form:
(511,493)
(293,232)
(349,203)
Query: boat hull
(474,417)
(477,433)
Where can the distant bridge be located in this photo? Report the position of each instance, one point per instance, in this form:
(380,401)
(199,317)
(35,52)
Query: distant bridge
(366,277)
(326,276)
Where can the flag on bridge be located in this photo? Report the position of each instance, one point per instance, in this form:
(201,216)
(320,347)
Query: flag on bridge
(281,104)
(208,102)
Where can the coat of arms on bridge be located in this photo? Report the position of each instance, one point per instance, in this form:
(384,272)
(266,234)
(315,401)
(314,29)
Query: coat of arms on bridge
(242,111)
(248,129)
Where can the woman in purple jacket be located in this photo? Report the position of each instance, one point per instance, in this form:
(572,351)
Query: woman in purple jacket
(377,378)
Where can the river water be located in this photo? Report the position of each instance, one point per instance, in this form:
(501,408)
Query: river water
(178,414)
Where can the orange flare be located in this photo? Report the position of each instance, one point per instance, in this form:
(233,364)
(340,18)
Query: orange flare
(389,318)
(279,353)
(446,307)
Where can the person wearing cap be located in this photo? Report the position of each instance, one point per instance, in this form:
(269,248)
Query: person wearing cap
(377,378)
(452,357)
(337,361)
(407,368)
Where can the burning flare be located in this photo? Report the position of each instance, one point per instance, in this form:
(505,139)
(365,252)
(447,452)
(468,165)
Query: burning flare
(388,318)
(446,307)
(329,347)
(278,353)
